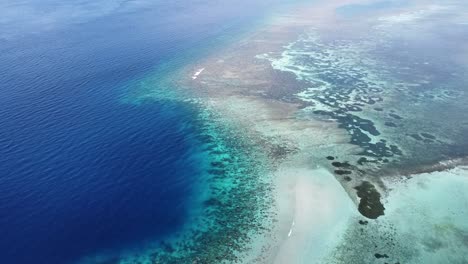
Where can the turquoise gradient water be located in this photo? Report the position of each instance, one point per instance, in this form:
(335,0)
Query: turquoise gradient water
(86,166)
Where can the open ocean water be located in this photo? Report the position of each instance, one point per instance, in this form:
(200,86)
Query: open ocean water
(83,171)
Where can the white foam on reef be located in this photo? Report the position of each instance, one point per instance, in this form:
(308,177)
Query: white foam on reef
(195,75)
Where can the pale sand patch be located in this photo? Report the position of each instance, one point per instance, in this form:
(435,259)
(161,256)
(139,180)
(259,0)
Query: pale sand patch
(313,211)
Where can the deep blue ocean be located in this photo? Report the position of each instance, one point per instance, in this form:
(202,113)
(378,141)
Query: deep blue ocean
(81,170)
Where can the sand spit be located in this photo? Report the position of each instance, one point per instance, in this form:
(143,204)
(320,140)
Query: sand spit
(318,210)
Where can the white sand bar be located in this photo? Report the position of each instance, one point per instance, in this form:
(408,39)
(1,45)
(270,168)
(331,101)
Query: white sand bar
(319,208)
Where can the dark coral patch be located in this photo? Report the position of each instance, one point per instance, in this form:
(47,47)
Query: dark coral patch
(217,164)
(390,124)
(341,164)
(342,172)
(216,172)
(370,205)
(330,158)
(396,150)
(212,202)
(362,160)
(205,138)
(427,135)
(395,116)
(416,136)
(379,256)
(363,222)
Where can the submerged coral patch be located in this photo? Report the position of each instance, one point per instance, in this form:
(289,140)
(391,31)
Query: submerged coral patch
(370,205)
(390,124)
(341,164)
(343,172)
